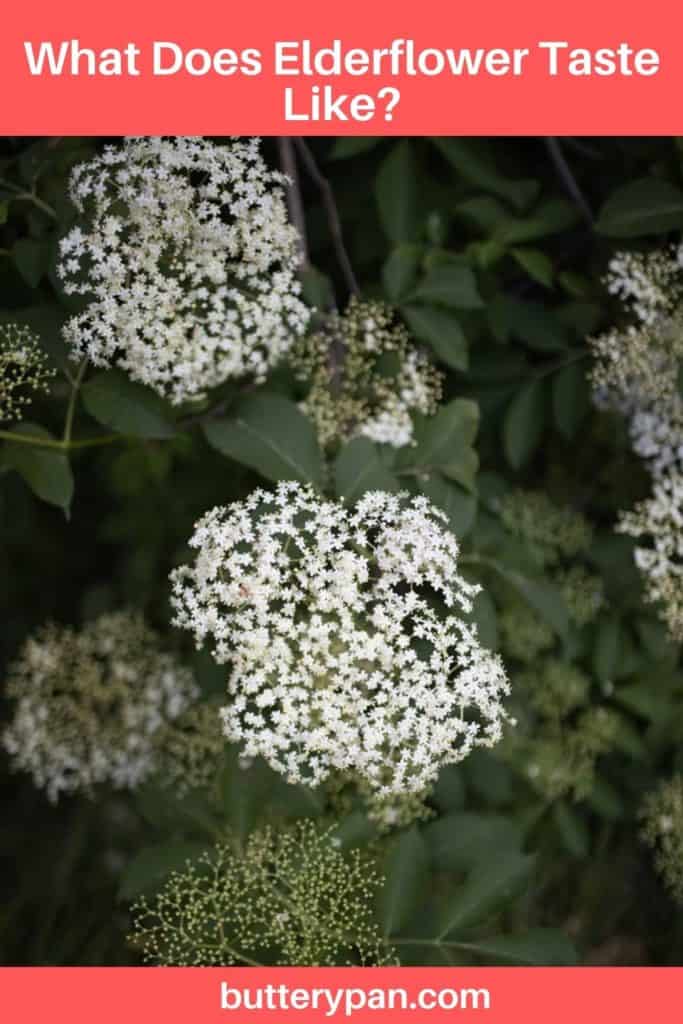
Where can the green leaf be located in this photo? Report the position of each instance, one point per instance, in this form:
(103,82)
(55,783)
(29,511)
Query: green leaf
(152,865)
(444,442)
(316,288)
(46,471)
(608,645)
(400,271)
(539,947)
(473,161)
(352,145)
(127,407)
(531,322)
(571,400)
(548,218)
(396,189)
(449,284)
(405,870)
(536,264)
(440,330)
(359,468)
(460,842)
(487,888)
(459,506)
(572,829)
(545,599)
(270,434)
(31,259)
(523,424)
(648,206)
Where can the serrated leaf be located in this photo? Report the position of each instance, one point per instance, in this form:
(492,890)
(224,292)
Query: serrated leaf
(449,284)
(460,842)
(539,947)
(523,424)
(127,407)
(352,145)
(405,871)
(440,330)
(536,264)
(46,471)
(487,888)
(359,468)
(399,272)
(31,259)
(459,505)
(396,189)
(648,206)
(443,438)
(571,400)
(544,597)
(473,161)
(270,434)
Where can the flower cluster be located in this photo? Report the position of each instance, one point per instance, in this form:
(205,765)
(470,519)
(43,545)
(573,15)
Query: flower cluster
(638,372)
(191,750)
(293,894)
(23,370)
(550,532)
(557,747)
(188,262)
(636,367)
(365,377)
(662,815)
(91,705)
(347,636)
(658,523)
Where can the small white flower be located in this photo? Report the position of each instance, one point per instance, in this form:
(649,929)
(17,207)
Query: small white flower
(188,261)
(346,634)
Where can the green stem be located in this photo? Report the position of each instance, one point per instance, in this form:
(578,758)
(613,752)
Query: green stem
(62,446)
(75,387)
(31,197)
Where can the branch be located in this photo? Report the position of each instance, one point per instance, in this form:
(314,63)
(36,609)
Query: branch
(294,200)
(567,178)
(334,222)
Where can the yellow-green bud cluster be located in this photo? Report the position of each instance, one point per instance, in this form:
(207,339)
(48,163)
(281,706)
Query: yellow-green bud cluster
(24,370)
(292,896)
(550,532)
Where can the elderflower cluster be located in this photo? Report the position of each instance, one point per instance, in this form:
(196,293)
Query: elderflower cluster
(188,261)
(293,894)
(657,523)
(89,706)
(636,370)
(557,747)
(346,634)
(23,370)
(191,750)
(662,815)
(365,377)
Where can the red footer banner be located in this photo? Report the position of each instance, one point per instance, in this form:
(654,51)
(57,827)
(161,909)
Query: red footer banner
(315,995)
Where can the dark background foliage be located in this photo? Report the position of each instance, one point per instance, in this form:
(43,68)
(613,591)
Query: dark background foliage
(494,251)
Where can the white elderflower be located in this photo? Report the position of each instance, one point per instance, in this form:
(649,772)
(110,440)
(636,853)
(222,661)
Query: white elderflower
(636,369)
(365,377)
(658,521)
(90,705)
(188,261)
(346,634)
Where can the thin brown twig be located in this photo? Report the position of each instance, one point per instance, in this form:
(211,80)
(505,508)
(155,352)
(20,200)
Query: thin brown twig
(294,201)
(570,183)
(330,205)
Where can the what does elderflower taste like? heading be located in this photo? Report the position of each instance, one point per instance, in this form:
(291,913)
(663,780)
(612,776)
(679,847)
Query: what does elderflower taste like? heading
(302,59)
